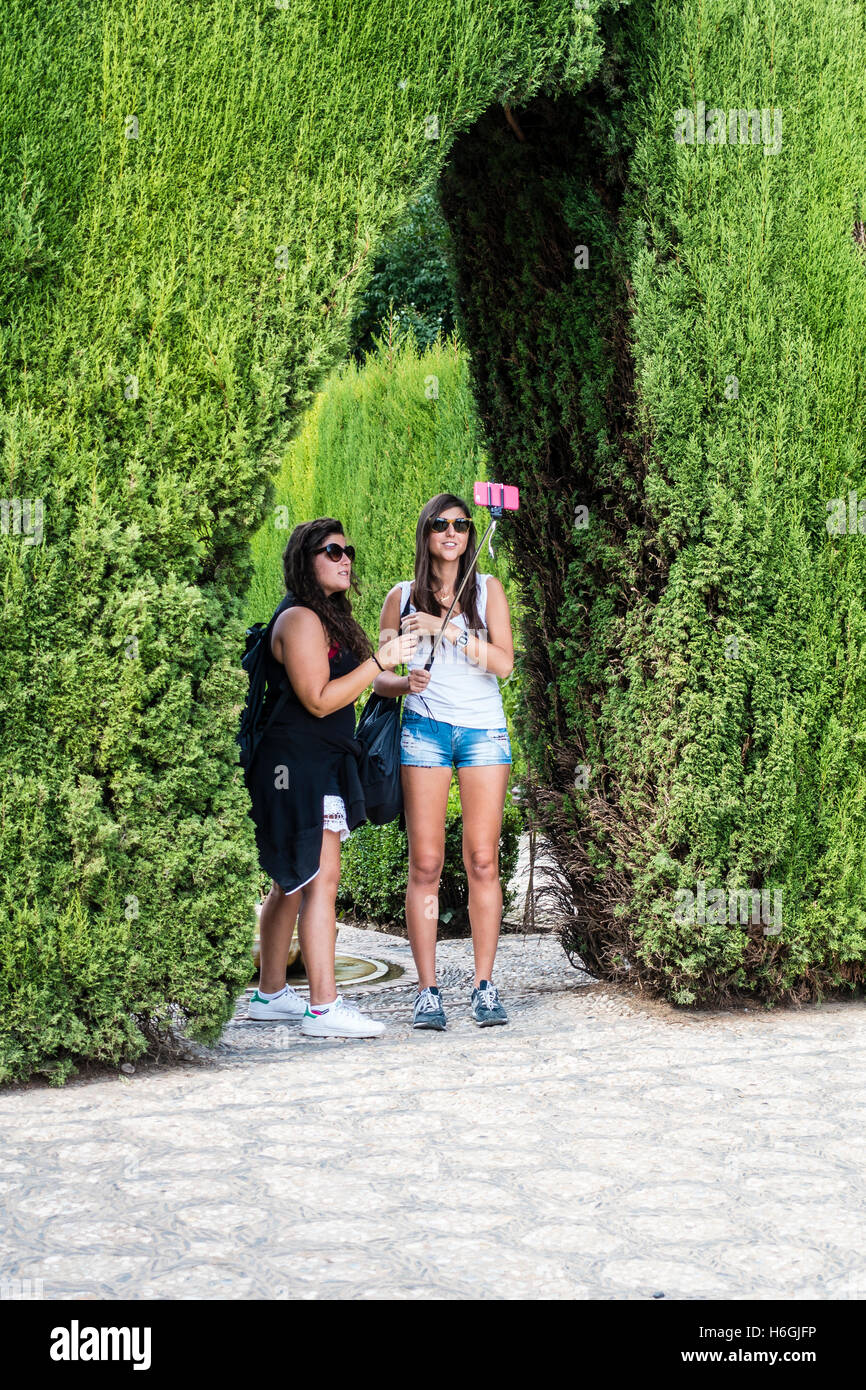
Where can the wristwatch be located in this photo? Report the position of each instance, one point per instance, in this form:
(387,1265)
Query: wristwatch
(463,639)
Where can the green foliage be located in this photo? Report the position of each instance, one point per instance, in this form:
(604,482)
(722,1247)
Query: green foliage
(410,287)
(699,645)
(374,870)
(191,198)
(191,202)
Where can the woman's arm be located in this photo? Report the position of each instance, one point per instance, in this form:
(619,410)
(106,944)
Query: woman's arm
(388,682)
(497,654)
(299,642)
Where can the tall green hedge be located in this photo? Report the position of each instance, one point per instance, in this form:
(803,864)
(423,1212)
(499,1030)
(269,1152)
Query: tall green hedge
(664,336)
(191,199)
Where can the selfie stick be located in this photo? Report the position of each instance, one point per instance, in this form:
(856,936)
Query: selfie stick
(496,511)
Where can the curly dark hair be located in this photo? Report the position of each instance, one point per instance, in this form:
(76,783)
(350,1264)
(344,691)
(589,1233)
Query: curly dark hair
(335,610)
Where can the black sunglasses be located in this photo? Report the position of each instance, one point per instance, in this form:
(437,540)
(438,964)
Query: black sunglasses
(336,552)
(461,525)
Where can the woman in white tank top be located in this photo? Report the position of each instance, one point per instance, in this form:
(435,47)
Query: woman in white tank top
(452,718)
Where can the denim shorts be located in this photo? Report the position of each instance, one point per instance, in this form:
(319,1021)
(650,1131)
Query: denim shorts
(432,743)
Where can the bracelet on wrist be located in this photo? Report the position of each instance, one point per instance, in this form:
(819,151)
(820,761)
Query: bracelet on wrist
(378,662)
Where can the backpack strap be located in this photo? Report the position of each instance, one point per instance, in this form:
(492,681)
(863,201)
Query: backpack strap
(285,687)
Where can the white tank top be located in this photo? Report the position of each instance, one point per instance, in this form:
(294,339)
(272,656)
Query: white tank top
(459,692)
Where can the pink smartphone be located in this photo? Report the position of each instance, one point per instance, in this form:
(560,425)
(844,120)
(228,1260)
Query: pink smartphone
(497,495)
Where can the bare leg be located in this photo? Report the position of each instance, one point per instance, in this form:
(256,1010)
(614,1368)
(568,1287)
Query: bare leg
(276,926)
(425,798)
(317,924)
(482,798)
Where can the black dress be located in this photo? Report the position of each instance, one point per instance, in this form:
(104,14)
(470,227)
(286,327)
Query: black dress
(302,758)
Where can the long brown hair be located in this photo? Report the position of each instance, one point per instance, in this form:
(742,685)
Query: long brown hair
(335,610)
(423,596)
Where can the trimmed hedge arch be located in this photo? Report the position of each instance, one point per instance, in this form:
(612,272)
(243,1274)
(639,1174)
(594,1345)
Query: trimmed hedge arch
(182,245)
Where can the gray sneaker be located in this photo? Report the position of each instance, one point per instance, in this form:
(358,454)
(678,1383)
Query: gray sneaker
(486,1008)
(428,1011)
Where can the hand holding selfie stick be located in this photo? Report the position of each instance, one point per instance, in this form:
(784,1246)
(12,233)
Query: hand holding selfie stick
(499,499)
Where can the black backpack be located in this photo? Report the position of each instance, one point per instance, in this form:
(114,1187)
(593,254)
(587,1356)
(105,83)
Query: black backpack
(379,732)
(252,725)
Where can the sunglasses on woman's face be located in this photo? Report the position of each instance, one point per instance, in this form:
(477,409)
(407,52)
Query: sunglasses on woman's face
(461,524)
(336,552)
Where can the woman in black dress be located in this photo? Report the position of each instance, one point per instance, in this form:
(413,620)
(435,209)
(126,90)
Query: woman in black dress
(304,781)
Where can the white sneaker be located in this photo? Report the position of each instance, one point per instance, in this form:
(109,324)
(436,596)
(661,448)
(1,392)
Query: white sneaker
(341,1020)
(289,1004)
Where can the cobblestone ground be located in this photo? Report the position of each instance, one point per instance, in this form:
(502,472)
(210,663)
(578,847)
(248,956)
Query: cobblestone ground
(594,1147)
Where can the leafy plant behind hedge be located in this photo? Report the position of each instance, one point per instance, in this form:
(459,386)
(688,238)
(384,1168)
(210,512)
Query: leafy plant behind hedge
(410,288)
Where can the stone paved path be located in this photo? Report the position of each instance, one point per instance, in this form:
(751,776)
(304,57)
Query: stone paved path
(593,1148)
